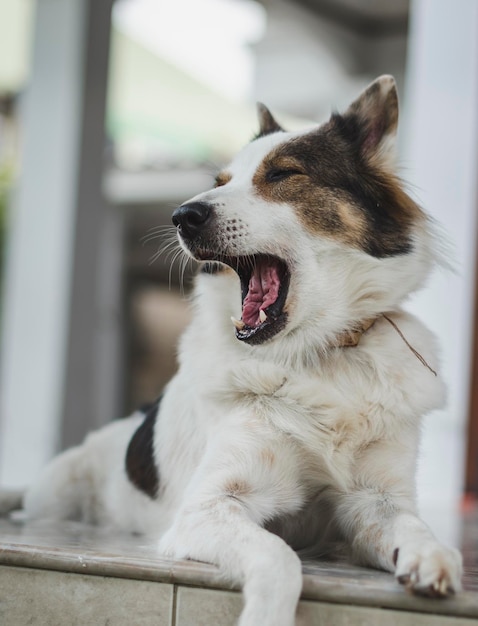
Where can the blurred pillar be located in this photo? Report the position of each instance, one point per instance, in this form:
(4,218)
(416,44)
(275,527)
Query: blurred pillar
(61,274)
(93,358)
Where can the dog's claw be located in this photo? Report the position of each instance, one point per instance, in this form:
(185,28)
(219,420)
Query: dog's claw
(429,569)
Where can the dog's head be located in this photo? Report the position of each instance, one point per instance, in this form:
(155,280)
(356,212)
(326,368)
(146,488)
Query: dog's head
(316,224)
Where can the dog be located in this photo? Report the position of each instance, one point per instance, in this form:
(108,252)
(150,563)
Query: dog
(293,423)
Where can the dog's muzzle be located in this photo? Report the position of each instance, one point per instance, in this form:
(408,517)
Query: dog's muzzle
(192,218)
(264,278)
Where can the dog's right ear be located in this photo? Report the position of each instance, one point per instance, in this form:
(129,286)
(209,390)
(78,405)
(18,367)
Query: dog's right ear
(267,123)
(371,121)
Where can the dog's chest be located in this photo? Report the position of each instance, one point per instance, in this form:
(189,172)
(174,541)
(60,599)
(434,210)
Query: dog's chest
(327,414)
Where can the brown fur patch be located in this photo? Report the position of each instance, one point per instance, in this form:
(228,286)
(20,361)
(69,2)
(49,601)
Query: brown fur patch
(237,488)
(336,192)
(373,535)
(353,221)
(268,457)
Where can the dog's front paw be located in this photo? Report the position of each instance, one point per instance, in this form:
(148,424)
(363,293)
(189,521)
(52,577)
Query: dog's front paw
(429,569)
(171,546)
(180,542)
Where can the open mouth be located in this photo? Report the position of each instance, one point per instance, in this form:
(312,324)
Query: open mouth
(264,287)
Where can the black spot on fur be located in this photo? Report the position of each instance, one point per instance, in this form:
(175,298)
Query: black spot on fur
(395,556)
(140,464)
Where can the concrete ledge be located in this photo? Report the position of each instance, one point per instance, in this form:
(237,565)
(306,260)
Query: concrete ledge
(97,576)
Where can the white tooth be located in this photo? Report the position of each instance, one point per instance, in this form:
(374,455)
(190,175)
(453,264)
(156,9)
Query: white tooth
(262,316)
(239,324)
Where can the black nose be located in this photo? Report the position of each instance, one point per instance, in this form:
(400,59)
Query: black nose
(191,218)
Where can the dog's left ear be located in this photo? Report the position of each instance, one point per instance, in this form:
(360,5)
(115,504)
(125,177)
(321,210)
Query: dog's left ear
(375,116)
(267,123)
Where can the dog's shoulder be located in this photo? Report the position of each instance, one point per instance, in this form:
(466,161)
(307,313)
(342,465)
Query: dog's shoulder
(404,357)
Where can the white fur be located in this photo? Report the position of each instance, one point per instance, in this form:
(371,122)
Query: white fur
(319,441)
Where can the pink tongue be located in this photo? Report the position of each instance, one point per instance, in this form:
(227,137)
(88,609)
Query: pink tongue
(263,291)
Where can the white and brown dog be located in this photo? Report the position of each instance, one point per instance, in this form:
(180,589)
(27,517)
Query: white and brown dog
(296,426)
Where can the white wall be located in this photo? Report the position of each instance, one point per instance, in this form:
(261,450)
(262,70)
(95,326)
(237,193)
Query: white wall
(439,141)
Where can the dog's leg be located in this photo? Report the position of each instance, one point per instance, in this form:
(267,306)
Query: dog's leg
(400,542)
(379,520)
(221,524)
(220,531)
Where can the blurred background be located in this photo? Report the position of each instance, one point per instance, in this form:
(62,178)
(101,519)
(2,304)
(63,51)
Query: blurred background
(112,113)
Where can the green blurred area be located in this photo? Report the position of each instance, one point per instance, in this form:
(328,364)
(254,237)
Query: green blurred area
(155,107)
(16,22)
(155,111)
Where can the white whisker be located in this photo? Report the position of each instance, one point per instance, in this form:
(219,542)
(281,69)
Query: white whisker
(169,242)
(158,231)
(177,254)
(184,264)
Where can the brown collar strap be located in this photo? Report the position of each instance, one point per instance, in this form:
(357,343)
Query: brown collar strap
(351,338)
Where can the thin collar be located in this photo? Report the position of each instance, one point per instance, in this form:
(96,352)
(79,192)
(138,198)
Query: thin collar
(351,338)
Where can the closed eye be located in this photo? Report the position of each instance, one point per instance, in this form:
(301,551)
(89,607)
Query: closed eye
(277,174)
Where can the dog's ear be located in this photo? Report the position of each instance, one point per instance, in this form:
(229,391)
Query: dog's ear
(267,123)
(373,119)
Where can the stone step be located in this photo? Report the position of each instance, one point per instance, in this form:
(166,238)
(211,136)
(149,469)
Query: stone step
(70,574)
